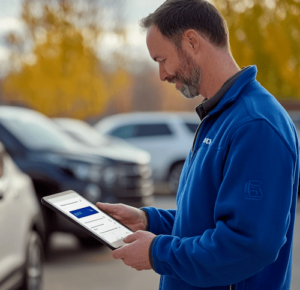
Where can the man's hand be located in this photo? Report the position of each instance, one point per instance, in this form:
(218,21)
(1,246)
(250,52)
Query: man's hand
(136,251)
(132,217)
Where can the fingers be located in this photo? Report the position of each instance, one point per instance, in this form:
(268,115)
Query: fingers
(103,206)
(106,207)
(119,253)
(129,239)
(135,253)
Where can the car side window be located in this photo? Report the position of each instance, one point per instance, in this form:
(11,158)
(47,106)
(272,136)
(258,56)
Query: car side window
(192,127)
(153,130)
(8,141)
(124,132)
(142,130)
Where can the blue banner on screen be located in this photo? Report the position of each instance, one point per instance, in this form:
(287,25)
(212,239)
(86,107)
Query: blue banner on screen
(83,212)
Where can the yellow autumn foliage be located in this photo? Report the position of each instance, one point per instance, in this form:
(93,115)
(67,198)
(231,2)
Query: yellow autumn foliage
(63,76)
(267,33)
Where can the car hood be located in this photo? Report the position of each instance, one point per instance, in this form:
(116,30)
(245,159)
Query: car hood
(116,150)
(126,154)
(59,156)
(113,153)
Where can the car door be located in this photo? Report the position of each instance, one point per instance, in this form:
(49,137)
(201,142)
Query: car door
(11,232)
(155,137)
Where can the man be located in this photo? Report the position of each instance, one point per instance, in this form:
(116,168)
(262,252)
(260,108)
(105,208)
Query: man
(236,200)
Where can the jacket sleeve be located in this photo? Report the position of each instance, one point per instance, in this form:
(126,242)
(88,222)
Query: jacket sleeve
(160,222)
(252,213)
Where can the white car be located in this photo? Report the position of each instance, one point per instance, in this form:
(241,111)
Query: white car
(107,145)
(168,137)
(21,229)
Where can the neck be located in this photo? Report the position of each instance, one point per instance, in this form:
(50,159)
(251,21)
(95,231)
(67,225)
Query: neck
(215,73)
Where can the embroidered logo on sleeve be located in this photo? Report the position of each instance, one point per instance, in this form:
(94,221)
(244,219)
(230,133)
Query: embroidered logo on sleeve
(253,190)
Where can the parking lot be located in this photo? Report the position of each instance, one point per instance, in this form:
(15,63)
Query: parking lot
(73,268)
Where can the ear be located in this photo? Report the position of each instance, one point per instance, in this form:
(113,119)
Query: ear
(191,41)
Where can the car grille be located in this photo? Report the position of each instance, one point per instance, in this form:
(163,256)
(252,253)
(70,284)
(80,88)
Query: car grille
(133,180)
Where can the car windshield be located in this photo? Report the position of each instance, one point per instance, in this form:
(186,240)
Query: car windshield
(84,133)
(38,132)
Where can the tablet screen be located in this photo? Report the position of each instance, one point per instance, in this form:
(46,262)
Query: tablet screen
(88,215)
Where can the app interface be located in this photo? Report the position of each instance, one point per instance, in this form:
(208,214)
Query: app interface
(90,217)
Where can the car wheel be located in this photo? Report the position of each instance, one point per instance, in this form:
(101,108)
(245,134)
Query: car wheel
(34,263)
(174,176)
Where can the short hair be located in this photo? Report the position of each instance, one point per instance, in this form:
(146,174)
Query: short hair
(174,17)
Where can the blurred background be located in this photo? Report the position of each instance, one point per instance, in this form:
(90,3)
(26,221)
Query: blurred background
(82,107)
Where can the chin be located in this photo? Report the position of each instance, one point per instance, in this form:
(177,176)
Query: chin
(187,96)
(186,93)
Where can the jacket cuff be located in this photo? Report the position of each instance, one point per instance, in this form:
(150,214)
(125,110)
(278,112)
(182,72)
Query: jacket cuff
(154,220)
(150,254)
(147,217)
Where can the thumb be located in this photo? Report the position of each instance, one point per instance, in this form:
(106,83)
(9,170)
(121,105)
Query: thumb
(129,239)
(106,207)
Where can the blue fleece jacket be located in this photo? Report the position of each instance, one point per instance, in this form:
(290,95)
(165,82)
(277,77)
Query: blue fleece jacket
(236,199)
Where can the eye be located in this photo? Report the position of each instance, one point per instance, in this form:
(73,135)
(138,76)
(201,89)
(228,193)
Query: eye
(163,61)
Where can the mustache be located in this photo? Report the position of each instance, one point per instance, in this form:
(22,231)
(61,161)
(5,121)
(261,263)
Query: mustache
(174,79)
(171,80)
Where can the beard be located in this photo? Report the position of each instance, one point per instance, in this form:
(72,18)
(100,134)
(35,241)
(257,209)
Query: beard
(189,75)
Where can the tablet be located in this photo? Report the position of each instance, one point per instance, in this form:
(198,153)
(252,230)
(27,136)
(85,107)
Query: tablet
(89,217)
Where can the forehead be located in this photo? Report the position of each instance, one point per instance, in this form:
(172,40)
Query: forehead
(158,45)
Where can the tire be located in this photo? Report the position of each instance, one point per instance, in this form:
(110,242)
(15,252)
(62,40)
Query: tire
(32,279)
(174,176)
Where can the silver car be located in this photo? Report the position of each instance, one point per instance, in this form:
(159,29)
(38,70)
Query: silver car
(21,229)
(167,136)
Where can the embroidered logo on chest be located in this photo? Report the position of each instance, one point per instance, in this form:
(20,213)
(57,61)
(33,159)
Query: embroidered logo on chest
(253,190)
(207,141)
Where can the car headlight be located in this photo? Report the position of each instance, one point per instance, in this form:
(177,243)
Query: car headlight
(53,158)
(93,193)
(87,172)
(81,171)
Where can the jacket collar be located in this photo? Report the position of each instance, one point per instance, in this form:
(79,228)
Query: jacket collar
(228,92)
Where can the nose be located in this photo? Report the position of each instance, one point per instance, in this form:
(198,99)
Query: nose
(163,73)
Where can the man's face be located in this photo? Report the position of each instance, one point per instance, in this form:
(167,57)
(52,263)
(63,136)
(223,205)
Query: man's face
(188,75)
(175,66)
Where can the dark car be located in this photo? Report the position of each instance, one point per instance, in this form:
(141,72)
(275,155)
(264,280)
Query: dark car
(56,163)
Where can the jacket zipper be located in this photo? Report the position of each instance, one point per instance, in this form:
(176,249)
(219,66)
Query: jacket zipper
(196,135)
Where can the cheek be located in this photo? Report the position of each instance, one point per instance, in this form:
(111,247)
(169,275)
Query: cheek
(171,69)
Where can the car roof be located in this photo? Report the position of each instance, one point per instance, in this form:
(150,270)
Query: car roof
(71,122)
(19,112)
(144,117)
